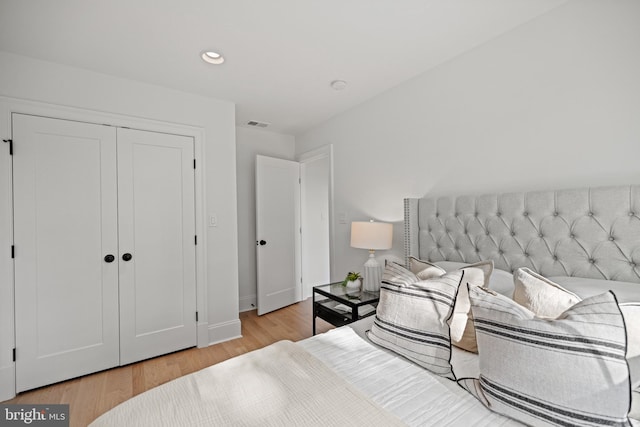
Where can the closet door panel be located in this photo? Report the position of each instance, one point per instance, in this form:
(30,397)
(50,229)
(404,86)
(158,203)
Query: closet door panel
(66,295)
(157,228)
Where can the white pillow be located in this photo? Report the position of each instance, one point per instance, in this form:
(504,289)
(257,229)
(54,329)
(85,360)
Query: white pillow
(424,269)
(540,295)
(500,281)
(565,371)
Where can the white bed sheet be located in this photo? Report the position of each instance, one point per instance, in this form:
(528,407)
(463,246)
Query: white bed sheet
(408,391)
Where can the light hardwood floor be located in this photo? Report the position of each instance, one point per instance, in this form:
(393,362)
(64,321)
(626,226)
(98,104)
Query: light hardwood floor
(91,395)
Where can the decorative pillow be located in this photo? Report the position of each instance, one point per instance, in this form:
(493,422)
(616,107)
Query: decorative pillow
(501,281)
(462,332)
(424,269)
(565,371)
(631,314)
(540,295)
(412,320)
(395,274)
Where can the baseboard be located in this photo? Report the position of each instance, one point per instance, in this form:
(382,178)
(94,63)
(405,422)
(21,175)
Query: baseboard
(7,383)
(225,331)
(248,303)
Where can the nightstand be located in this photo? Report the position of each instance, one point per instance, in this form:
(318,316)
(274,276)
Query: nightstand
(340,305)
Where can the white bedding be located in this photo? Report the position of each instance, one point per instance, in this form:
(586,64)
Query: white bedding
(399,386)
(279,385)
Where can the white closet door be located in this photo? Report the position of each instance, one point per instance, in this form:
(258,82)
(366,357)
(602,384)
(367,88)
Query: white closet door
(66,295)
(157,228)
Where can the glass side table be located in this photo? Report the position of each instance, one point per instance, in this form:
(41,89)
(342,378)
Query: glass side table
(340,305)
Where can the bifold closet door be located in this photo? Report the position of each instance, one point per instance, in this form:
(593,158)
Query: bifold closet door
(65,226)
(157,244)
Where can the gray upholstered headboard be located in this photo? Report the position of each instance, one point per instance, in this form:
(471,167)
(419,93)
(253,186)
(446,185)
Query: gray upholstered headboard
(589,232)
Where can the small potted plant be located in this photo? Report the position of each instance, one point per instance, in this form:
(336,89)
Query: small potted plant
(352,280)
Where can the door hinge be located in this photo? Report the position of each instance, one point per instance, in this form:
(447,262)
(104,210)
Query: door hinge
(194,163)
(10,141)
(196,316)
(14,354)
(195,239)
(13,251)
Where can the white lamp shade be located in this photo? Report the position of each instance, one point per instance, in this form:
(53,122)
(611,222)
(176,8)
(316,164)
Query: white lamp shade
(371,235)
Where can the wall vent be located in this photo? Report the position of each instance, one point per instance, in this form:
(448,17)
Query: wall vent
(257,124)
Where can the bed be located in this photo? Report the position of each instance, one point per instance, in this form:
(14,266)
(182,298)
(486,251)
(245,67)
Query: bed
(587,241)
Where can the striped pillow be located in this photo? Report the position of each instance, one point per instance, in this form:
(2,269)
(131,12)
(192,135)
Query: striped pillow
(569,371)
(395,274)
(412,320)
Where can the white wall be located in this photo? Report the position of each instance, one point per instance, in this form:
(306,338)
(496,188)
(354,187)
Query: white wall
(552,104)
(25,78)
(249,143)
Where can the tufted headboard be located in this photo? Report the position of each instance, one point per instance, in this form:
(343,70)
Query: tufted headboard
(588,232)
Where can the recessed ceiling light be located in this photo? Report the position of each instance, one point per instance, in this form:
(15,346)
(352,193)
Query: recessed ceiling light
(212,57)
(338,84)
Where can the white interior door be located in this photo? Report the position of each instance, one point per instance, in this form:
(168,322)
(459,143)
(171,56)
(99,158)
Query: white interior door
(65,223)
(277,233)
(157,231)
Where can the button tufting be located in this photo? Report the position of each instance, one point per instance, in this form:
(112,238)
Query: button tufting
(525,213)
(555,214)
(498,214)
(592,261)
(611,238)
(487,232)
(540,235)
(437,214)
(477,250)
(590,213)
(573,236)
(555,257)
(513,233)
(500,252)
(632,264)
(632,213)
(526,254)
(475,214)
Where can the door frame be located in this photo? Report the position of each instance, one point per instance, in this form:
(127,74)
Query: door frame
(325,151)
(8,106)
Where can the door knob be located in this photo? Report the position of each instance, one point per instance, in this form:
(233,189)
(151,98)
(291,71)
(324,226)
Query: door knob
(109,258)
(263,242)
(127,257)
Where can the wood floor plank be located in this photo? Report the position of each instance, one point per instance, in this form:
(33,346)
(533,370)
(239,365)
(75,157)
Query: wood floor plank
(92,395)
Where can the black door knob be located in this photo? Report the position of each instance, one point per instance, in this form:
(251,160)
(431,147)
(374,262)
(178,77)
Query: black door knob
(263,242)
(127,257)
(109,258)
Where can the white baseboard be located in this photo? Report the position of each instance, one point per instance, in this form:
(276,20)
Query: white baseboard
(248,303)
(225,331)
(7,383)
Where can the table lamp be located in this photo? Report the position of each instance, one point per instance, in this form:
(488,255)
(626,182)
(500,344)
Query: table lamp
(371,235)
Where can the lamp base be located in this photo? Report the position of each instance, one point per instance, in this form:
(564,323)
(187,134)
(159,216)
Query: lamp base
(372,274)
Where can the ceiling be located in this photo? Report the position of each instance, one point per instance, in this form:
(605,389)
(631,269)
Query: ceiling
(281,55)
